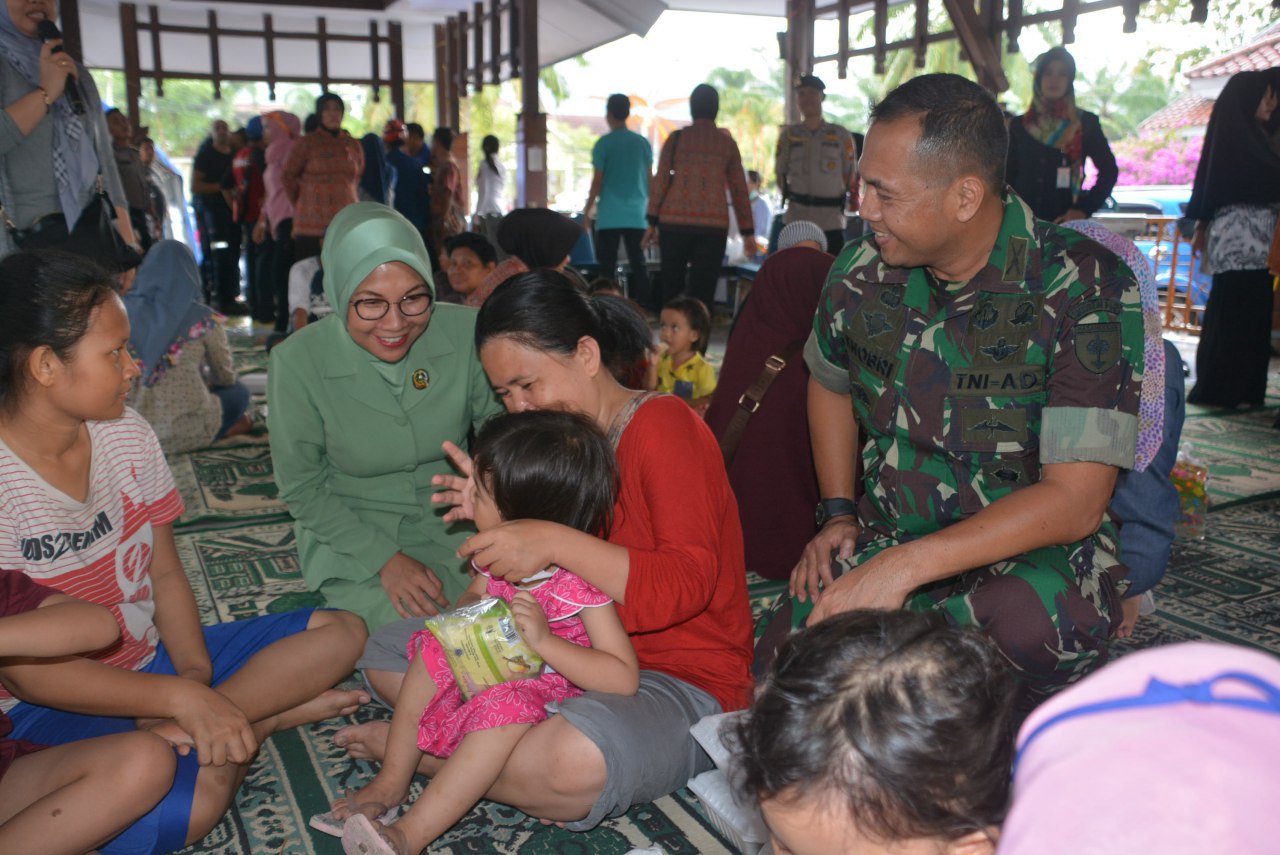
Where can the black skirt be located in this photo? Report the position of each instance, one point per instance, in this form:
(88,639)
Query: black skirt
(1235,341)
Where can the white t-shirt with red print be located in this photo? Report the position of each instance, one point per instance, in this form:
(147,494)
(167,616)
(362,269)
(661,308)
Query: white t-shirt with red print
(98,550)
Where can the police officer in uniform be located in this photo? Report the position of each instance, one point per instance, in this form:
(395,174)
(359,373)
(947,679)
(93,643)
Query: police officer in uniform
(816,165)
(993,363)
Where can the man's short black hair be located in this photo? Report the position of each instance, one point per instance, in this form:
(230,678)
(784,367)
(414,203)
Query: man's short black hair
(415,129)
(961,127)
(619,107)
(444,136)
(753,176)
(474,241)
(704,102)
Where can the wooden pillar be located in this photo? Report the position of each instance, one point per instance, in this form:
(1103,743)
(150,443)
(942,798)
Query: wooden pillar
(462,157)
(442,74)
(69,11)
(799,42)
(395,48)
(531,129)
(132,66)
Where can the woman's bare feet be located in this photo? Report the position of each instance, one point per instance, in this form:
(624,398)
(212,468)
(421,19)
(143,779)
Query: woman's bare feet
(1130,609)
(367,741)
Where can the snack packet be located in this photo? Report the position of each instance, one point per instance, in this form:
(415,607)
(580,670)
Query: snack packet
(483,646)
(1190,478)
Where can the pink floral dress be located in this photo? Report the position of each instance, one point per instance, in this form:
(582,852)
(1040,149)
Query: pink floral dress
(449,717)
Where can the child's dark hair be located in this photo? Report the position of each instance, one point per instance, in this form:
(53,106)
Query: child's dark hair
(899,719)
(548,465)
(474,241)
(444,136)
(489,145)
(543,310)
(46,299)
(695,312)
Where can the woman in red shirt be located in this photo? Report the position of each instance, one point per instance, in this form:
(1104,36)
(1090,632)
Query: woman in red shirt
(673,565)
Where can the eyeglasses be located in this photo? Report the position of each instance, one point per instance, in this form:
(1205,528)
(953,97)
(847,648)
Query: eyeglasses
(411,306)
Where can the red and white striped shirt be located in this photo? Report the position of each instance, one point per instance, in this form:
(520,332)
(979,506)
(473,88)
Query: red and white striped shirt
(98,550)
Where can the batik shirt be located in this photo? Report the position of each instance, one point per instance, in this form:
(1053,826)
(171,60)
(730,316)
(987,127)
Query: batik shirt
(964,390)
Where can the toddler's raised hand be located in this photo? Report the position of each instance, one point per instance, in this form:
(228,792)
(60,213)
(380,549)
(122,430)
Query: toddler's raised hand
(457,489)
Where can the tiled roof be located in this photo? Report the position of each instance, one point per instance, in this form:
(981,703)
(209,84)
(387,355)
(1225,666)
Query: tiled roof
(1187,110)
(1258,55)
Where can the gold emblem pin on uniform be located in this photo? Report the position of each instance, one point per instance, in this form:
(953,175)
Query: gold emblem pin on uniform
(420,379)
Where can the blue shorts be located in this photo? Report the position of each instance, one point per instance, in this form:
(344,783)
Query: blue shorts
(164,829)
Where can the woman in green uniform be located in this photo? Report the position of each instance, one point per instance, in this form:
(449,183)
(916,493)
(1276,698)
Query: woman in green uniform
(359,404)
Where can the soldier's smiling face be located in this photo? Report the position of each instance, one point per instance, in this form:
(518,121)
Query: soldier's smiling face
(908,211)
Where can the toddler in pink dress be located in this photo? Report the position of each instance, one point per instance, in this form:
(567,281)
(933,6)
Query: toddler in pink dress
(449,716)
(545,465)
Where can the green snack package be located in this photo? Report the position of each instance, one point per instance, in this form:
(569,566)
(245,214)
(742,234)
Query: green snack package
(483,646)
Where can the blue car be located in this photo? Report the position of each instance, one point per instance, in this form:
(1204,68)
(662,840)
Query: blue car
(1128,210)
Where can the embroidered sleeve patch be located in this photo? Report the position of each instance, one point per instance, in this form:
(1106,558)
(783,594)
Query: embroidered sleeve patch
(1097,346)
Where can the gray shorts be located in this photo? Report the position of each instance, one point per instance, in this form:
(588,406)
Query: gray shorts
(387,650)
(645,739)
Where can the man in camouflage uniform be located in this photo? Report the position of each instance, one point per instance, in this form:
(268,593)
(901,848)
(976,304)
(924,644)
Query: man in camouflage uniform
(816,165)
(993,363)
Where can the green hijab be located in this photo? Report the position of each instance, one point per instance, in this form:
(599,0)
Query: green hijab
(362,236)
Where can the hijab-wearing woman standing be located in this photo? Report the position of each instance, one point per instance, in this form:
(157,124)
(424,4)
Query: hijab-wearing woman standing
(1049,143)
(321,176)
(772,472)
(360,403)
(176,339)
(1234,200)
(50,155)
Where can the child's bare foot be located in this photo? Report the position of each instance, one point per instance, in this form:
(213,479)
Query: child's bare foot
(367,741)
(328,704)
(372,800)
(362,836)
(1129,616)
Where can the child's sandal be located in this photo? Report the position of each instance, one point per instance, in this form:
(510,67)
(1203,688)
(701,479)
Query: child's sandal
(329,824)
(362,837)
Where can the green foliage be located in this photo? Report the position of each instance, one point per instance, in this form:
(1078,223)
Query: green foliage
(752,109)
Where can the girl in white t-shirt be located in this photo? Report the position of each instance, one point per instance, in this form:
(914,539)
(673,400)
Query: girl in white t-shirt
(87,504)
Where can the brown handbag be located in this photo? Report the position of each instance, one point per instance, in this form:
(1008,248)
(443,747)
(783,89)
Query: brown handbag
(750,400)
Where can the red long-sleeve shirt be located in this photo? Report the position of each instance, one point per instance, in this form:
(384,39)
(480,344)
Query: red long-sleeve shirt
(686,601)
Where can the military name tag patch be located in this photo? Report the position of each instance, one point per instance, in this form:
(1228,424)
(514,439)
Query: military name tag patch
(1097,346)
(1013,380)
(991,425)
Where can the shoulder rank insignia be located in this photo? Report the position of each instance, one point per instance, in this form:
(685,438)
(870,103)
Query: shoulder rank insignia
(1015,260)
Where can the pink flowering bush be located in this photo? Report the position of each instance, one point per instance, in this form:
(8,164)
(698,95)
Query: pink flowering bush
(1157,158)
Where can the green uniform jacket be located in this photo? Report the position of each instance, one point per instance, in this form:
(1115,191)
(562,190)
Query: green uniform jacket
(354,463)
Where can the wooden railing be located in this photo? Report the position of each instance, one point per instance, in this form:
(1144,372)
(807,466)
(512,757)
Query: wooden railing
(1177,308)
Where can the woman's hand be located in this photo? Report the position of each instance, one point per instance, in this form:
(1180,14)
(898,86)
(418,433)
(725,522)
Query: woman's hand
(514,550)
(1199,240)
(531,620)
(54,68)
(457,489)
(1072,214)
(650,237)
(260,231)
(413,589)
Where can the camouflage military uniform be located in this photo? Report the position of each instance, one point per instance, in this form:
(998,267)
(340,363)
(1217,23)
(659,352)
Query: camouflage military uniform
(963,391)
